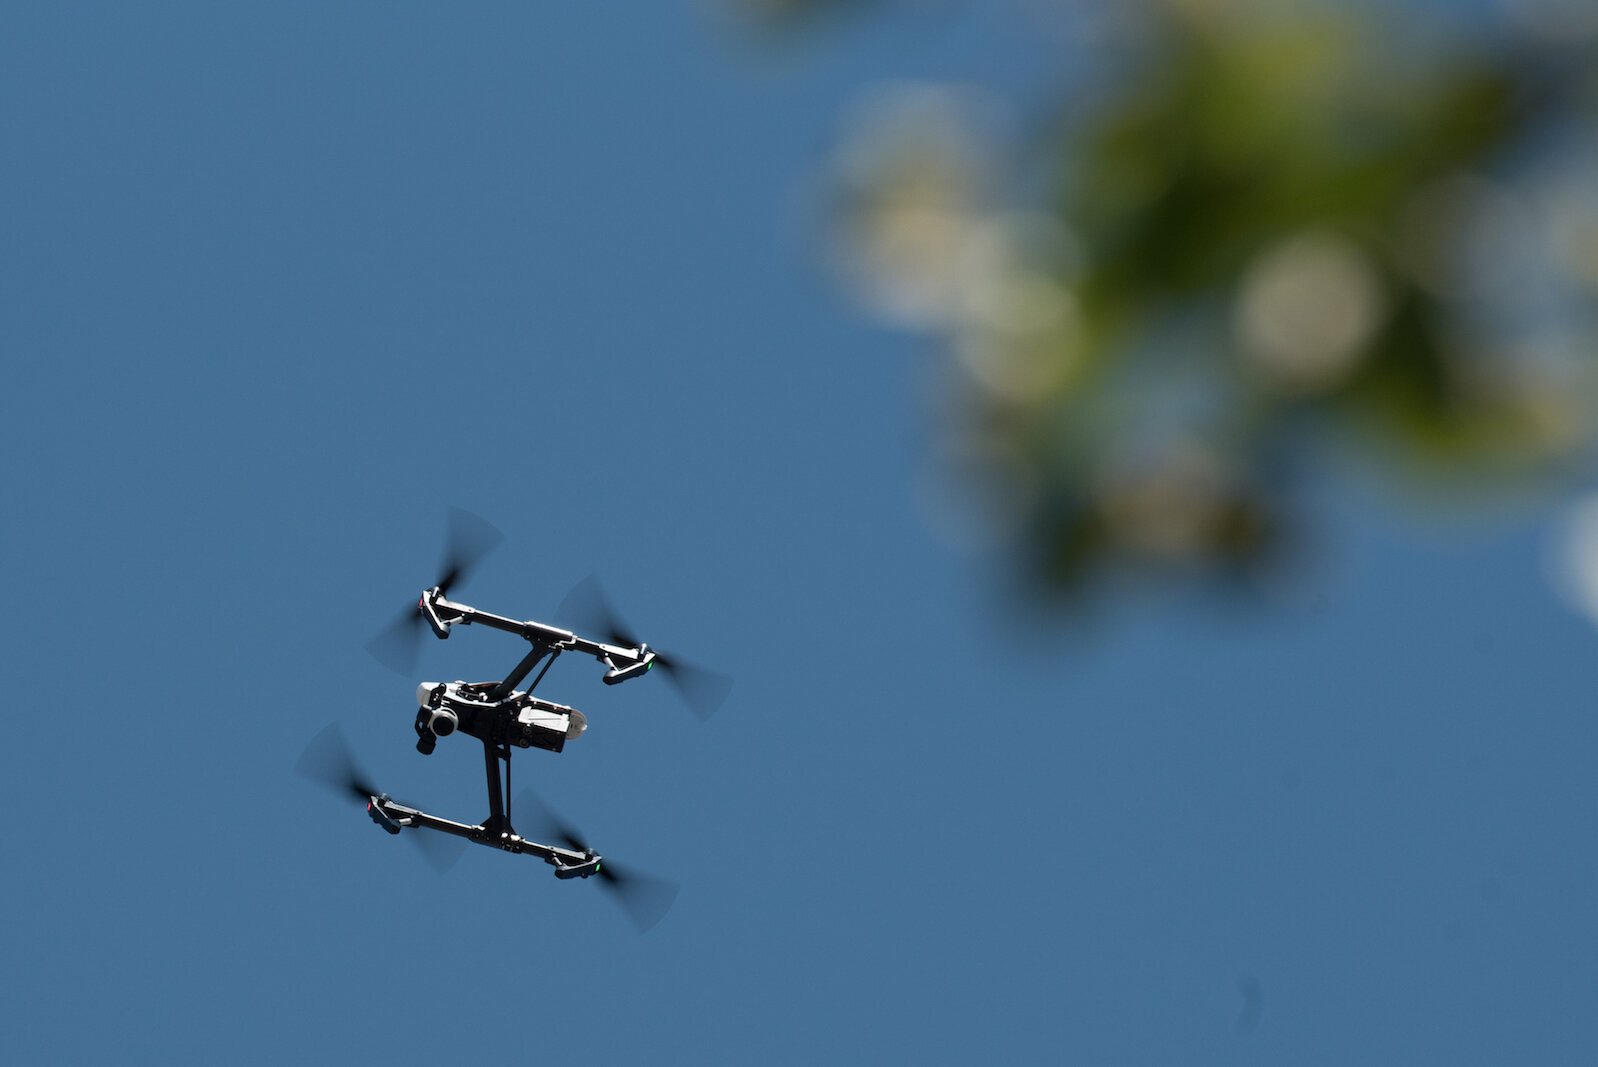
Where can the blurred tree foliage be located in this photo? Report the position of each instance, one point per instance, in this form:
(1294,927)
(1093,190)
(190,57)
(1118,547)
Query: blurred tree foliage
(1238,231)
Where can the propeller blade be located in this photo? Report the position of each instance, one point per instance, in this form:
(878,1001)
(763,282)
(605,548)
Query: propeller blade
(541,823)
(399,644)
(467,539)
(588,609)
(441,851)
(703,690)
(328,762)
(644,898)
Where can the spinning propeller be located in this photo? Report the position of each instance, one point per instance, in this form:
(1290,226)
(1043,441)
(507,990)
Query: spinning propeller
(468,539)
(327,761)
(644,898)
(587,607)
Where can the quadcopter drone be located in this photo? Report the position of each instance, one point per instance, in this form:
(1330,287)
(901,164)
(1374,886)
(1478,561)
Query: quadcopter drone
(502,716)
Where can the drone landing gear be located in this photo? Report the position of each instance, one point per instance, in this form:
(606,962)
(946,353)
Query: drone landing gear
(576,861)
(568,863)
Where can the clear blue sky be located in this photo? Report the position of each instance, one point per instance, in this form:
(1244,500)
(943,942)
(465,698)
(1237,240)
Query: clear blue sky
(281,282)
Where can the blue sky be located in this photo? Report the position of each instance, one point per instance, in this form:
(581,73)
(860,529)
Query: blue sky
(283,283)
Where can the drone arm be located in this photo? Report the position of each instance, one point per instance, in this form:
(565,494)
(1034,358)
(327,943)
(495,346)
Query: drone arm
(539,633)
(623,662)
(412,817)
(568,863)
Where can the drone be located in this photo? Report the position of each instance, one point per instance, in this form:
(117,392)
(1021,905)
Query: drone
(504,717)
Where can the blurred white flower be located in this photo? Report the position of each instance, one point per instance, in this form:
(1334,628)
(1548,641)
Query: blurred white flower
(912,183)
(1573,562)
(1306,310)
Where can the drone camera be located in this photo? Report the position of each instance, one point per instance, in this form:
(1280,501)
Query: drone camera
(431,724)
(433,719)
